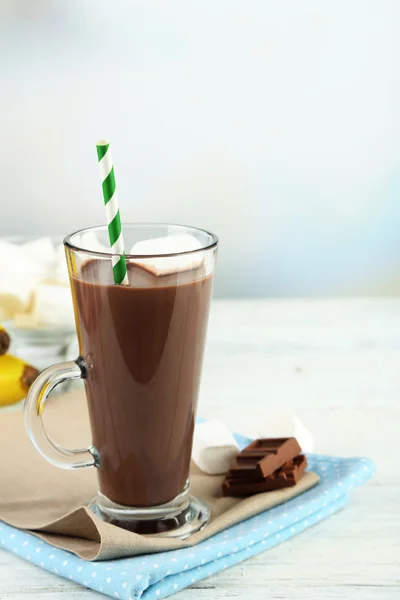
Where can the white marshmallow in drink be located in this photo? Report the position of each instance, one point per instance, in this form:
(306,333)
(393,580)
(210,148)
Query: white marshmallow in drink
(89,241)
(167,265)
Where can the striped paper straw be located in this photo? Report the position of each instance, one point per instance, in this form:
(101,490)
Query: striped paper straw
(112,212)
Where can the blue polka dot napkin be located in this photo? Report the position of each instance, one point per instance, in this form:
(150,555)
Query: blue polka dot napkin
(159,575)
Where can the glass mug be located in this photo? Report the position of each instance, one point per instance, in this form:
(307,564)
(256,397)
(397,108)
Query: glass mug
(141,351)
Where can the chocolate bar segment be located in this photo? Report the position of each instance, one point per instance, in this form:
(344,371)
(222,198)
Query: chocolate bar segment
(287,476)
(263,457)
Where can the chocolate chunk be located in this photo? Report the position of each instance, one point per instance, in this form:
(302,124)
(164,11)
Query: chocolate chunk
(287,476)
(263,457)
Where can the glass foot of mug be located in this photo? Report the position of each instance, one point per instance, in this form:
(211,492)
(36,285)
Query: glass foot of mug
(169,520)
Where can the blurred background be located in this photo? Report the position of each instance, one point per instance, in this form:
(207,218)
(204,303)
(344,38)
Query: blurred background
(273,123)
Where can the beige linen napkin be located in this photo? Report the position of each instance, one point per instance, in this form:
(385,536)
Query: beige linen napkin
(50,502)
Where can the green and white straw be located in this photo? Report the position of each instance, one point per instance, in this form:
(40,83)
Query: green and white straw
(112,212)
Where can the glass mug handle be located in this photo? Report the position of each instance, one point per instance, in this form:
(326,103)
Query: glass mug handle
(33,415)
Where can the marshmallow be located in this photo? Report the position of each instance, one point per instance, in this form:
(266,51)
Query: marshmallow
(52,307)
(15,293)
(41,251)
(18,276)
(26,293)
(21,262)
(168,245)
(214,447)
(89,241)
(279,424)
(22,267)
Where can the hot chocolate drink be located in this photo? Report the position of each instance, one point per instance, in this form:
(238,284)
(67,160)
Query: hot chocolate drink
(143,347)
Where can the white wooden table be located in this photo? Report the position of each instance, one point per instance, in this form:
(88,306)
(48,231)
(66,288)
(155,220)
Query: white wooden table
(336,363)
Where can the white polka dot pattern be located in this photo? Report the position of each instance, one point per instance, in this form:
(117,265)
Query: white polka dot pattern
(136,577)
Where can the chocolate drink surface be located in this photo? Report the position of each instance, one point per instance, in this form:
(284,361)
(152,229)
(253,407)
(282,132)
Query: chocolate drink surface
(143,345)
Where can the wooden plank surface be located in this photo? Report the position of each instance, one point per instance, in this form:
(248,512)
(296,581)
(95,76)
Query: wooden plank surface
(336,364)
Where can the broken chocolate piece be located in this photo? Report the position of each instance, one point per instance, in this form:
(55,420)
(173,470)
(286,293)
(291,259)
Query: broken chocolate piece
(263,457)
(287,476)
